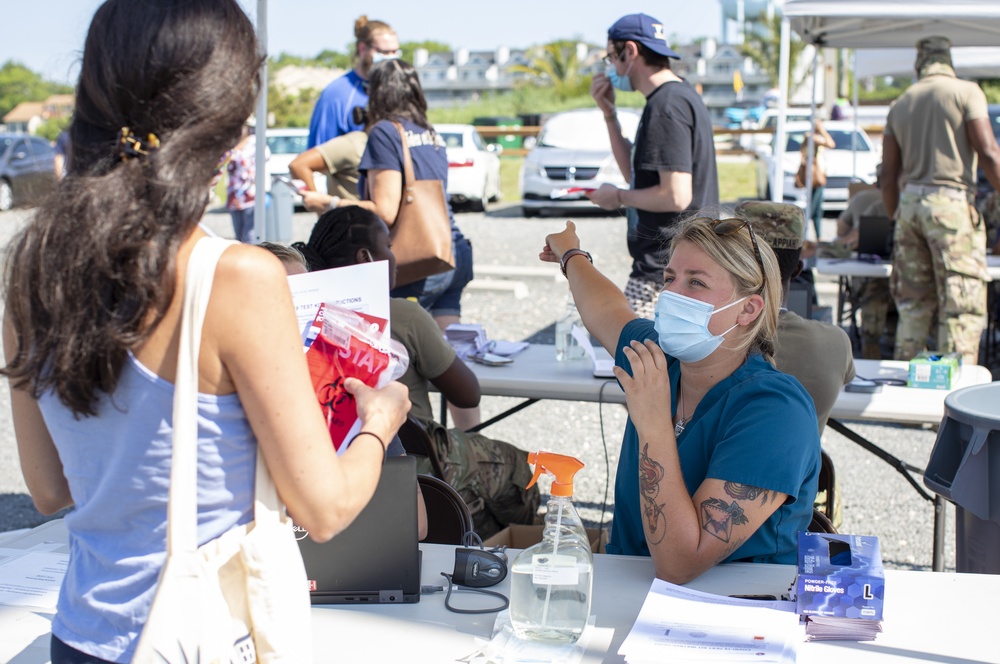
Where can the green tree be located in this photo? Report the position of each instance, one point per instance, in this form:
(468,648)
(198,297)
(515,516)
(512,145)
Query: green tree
(18,83)
(50,129)
(556,65)
(409,48)
(764,48)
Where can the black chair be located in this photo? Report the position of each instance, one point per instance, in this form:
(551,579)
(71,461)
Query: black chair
(827,485)
(448,517)
(417,442)
(821,524)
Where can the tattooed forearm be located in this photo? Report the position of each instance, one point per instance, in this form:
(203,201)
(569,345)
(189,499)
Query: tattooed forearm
(718,518)
(747,492)
(650,476)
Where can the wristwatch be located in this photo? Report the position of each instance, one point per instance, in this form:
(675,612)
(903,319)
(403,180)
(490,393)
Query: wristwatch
(569,254)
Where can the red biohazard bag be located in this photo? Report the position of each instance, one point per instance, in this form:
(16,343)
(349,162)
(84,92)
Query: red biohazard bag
(350,345)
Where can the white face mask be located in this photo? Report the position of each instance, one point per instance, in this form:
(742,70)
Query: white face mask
(682,325)
(382,57)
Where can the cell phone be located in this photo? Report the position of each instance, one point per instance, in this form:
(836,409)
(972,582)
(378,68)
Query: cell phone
(297,185)
(864,386)
(491,359)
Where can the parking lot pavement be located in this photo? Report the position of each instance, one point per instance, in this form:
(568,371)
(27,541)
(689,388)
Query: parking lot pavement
(876,498)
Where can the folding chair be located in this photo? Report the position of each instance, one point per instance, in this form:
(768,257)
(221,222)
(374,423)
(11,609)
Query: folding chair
(448,517)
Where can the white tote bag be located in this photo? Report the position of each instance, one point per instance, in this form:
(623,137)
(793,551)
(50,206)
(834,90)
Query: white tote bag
(240,598)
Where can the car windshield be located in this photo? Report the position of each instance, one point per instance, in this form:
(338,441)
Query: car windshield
(452,140)
(841,138)
(287,144)
(579,131)
(994,113)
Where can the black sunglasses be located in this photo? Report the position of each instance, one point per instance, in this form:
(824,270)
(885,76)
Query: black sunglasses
(724,227)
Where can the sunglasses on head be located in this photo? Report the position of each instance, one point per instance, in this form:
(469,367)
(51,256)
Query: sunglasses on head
(724,227)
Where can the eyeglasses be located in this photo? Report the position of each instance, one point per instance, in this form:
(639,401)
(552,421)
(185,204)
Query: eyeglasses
(395,51)
(724,227)
(609,60)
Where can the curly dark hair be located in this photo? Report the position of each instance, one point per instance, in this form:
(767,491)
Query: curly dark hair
(394,93)
(338,235)
(93,274)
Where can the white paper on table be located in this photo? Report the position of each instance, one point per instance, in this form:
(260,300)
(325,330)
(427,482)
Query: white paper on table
(33,579)
(677,623)
(506,648)
(603,362)
(363,287)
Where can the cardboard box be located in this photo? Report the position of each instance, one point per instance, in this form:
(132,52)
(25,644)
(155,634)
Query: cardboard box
(840,576)
(517,536)
(936,372)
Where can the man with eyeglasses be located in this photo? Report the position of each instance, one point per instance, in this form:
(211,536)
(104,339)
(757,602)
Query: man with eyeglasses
(671,164)
(333,114)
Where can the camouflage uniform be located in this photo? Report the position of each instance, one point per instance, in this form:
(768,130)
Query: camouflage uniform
(939,257)
(943,232)
(489,474)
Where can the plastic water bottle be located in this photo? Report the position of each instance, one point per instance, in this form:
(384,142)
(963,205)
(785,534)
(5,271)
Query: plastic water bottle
(551,582)
(567,347)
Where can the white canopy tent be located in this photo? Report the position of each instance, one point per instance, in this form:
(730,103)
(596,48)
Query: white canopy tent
(863,24)
(973,62)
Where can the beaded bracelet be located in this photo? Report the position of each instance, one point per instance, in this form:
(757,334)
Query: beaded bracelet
(385,450)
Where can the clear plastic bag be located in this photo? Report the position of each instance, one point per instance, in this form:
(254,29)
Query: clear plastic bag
(350,344)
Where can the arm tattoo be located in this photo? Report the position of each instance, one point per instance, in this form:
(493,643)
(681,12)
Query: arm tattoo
(747,492)
(718,518)
(650,476)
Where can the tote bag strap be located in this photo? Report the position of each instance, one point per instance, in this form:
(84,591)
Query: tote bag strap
(408,178)
(182,509)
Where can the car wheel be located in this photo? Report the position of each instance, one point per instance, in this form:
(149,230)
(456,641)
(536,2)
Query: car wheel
(6,196)
(529,212)
(477,204)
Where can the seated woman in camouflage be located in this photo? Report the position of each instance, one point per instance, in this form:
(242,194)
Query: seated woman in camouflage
(491,475)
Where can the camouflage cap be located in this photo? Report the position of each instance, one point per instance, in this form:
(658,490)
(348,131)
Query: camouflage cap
(781,225)
(936,44)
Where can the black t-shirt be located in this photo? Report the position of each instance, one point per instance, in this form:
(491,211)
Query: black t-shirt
(674,134)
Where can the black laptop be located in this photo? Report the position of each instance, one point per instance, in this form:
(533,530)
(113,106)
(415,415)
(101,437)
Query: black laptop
(873,236)
(376,559)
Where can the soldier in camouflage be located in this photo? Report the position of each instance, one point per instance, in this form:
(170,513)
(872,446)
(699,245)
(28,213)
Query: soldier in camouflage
(933,134)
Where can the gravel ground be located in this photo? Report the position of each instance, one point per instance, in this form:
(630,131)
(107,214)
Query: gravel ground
(876,499)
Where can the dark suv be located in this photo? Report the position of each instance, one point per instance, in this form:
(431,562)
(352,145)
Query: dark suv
(27,169)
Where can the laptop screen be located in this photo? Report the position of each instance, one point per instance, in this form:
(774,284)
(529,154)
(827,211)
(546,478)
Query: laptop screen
(873,236)
(376,559)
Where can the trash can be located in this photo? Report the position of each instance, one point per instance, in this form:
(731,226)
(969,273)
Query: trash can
(964,467)
(278,226)
(505,140)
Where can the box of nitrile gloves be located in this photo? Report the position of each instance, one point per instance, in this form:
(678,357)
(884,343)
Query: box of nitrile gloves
(937,372)
(840,576)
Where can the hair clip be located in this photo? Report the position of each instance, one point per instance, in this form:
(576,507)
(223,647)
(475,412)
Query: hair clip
(129,146)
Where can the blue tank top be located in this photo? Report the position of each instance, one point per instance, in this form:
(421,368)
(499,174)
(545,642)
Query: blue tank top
(118,468)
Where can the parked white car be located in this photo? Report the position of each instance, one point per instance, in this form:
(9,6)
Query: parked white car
(839,163)
(572,156)
(473,166)
(769,120)
(286,144)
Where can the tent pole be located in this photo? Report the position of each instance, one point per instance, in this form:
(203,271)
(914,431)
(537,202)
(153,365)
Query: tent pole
(778,156)
(260,174)
(811,143)
(854,137)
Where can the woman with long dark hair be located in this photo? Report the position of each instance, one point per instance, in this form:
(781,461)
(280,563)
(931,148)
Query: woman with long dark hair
(94,294)
(395,96)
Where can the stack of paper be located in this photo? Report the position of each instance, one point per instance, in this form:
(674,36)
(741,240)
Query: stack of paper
(821,628)
(676,624)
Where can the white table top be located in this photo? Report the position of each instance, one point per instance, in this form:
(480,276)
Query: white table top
(852,267)
(934,617)
(536,374)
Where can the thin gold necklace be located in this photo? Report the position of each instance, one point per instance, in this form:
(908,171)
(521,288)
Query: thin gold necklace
(679,427)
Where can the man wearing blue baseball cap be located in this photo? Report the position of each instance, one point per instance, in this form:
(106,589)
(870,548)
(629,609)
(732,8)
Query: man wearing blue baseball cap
(671,165)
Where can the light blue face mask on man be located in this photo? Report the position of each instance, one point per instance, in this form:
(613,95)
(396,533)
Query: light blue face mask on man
(682,325)
(619,82)
(382,57)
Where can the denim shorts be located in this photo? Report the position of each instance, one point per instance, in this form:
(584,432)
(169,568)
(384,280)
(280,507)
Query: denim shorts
(441,294)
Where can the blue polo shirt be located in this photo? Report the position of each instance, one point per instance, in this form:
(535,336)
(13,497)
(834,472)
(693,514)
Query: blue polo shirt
(756,427)
(333,114)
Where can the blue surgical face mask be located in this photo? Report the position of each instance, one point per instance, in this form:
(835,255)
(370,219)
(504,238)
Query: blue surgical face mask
(382,57)
(682,325)
(619,82)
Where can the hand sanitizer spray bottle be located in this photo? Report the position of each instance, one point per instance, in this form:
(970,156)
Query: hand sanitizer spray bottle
(551,582)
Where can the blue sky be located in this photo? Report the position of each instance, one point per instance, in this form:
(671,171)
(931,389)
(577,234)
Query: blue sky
(47,36)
